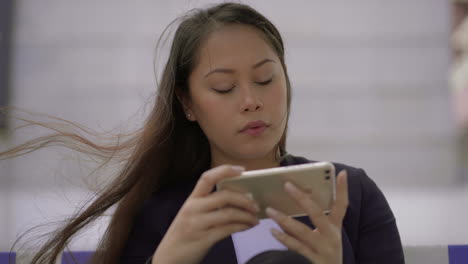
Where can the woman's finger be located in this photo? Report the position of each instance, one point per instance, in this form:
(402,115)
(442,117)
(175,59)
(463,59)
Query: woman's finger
(294,228)
(225,198)
(294,244)
(225,216)
(210,178)
(315,213)
(341,202)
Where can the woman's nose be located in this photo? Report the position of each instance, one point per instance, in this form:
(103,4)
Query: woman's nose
(250,102)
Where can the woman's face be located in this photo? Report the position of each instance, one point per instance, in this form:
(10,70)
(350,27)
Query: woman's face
(238,95)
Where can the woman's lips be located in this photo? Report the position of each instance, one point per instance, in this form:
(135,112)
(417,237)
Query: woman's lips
(255,131)
(254,128)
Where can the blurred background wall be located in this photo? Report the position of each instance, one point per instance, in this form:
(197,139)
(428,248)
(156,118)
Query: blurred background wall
(370,89)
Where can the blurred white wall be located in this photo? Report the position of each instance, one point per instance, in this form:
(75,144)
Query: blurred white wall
(369,84)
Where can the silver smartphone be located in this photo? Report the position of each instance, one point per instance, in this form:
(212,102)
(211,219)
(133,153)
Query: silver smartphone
(267,186)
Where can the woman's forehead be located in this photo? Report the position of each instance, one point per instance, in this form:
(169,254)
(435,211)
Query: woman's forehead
(234,46)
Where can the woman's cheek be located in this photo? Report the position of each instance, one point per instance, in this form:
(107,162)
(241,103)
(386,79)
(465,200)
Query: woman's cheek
(279,97)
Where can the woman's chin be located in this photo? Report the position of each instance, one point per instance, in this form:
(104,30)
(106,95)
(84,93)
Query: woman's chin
(257,153)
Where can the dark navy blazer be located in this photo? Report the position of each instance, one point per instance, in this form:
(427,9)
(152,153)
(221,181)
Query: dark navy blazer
(370,234)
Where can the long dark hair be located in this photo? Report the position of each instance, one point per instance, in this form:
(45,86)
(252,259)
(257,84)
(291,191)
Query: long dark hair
(168,149)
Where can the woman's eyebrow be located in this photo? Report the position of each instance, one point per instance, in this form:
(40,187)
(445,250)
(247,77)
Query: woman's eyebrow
(258,64)
(225,70)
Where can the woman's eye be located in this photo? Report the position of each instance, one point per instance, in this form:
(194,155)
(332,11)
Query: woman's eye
(265,82)
(223,90)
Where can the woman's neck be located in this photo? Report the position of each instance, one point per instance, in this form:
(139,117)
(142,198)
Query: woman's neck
(269,161)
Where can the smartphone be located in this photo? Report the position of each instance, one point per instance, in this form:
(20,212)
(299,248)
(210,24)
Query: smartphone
(267,186)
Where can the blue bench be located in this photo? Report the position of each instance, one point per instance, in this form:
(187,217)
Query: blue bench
(458,254)
(75,257)
(7,258)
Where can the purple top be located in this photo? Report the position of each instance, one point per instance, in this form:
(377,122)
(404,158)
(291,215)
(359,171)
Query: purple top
(370,234)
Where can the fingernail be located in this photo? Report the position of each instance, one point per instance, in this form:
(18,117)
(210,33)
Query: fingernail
(290,187)
(256,207)
(271,212)
(249,195)
(238,168)
(275,232)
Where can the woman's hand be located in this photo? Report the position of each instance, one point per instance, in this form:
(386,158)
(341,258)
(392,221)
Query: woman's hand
(206,218)
(321,245)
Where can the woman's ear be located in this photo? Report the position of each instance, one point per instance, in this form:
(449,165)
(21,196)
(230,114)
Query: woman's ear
(186,103)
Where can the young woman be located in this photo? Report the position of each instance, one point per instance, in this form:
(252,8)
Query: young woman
(222,107)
